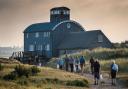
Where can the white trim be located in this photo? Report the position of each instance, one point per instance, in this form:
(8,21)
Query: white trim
(65,22)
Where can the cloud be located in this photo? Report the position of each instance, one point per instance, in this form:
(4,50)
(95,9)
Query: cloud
(108,15)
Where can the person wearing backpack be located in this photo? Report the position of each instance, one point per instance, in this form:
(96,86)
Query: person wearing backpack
(114,70)
(82,63)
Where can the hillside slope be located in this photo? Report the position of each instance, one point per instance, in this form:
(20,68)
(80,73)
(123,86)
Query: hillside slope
(47,78)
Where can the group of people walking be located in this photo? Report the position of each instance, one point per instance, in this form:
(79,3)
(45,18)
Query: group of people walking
(71,63)
(96,71)
(77,64)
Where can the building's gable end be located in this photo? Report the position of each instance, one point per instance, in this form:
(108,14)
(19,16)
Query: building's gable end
(105,43)
(69,22)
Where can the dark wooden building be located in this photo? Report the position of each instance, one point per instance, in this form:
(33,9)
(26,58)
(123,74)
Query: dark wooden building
(60,34)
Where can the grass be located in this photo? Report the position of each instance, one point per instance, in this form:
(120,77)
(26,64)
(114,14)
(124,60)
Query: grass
(48,78)
(105,56)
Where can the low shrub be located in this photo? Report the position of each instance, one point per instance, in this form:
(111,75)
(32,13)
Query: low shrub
(79,83)
(23,81)
(22,71)
(35,70)
(11,76)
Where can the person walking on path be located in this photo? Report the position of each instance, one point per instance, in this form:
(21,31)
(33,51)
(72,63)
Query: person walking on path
(77,64)
(92,65)
(66,63)
(114,70)
(82,63)
(96,72)
(60,63)
(71,62)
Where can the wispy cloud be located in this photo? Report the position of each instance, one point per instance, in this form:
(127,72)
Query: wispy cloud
(109,15)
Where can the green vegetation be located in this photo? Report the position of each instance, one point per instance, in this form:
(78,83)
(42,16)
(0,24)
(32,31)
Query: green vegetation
(103,53)
(15,76)
(120,55)
(83,83)
(20,71)
(33,77)
(1,67)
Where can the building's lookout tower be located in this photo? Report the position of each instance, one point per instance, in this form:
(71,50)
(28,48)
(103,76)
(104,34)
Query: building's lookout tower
(59,14)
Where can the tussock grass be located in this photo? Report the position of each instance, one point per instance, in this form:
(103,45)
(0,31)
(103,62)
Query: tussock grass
(47,78)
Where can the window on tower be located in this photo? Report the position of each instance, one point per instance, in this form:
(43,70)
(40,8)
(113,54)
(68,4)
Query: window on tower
(55,12)
(52,12)
(64,12)
(27,35)
(67,12)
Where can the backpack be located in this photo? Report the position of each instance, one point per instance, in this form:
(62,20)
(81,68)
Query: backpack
(115,67)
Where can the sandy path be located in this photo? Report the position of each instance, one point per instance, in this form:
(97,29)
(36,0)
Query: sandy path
(105,85)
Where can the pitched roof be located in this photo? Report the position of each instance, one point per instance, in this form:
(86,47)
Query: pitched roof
(80,40)
(47,26)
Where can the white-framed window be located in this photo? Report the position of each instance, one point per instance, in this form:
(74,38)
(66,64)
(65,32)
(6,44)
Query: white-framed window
(100,38)
(68,25)
(64,12)
(37,34)
(52,12)
(55,12)
(31,47)
(47,47)
(46,34)
(27,35)
(67,12)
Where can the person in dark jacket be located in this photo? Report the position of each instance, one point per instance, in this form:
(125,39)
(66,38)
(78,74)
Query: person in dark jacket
(82,63)
(96,71)
(71,63)
(114,70)
(92,65)
(66,62)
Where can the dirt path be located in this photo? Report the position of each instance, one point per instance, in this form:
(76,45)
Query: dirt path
(105,85)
